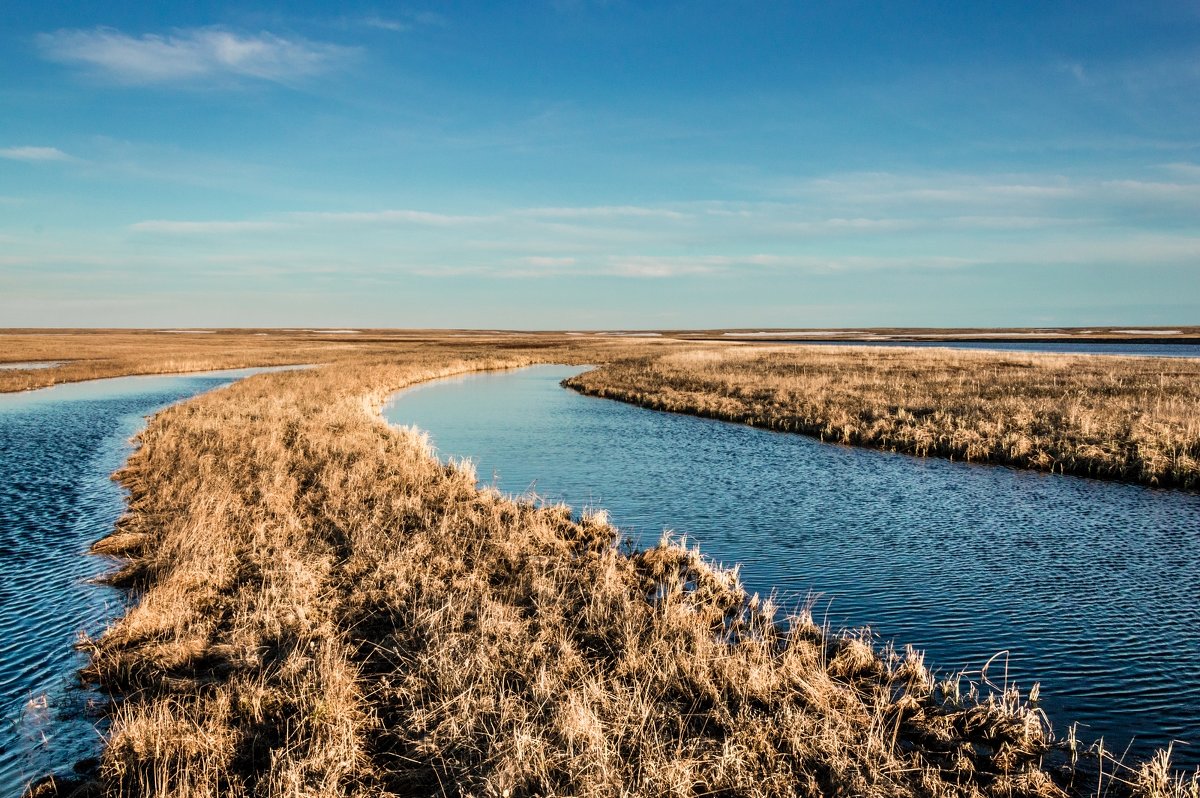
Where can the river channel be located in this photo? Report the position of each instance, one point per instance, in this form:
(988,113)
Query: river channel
(58,448)
(1090,587)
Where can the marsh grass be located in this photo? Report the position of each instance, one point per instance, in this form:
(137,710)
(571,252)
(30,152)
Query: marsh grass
(1127,418)
(325,609)
(96,354)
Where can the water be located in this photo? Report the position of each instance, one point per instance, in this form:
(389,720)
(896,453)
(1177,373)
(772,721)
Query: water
(1137,348)
(58,447)
(1090,586)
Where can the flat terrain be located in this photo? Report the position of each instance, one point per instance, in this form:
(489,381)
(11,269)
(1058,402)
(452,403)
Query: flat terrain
(1126,334)
(324,609)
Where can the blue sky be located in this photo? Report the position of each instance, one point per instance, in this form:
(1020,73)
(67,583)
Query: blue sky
(600,164)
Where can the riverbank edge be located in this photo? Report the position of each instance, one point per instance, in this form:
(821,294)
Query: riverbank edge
(135,538)
(600,383)
(126,547)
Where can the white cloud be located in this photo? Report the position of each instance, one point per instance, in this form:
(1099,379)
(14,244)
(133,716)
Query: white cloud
(292,221)
(1077,71)
(603,212)
(34,154)
(538,260)
(856,226)
(393,25)
(391,216)
(1185,169)
(866,189)
(1143,189)
(190,54)
(844,224)
(1053,191)
(405,21)
(173,227)
(1131,249)
(674,266)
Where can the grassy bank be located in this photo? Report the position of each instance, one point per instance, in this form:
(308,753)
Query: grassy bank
(96,354)
(1135,419)
(325,610)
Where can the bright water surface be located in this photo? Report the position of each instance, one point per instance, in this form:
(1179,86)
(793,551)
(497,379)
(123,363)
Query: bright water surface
(1090,586)
(1059,347)
(58,447)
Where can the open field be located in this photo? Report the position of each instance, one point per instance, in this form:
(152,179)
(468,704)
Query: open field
(324,609)
(94,354)
(1126,334)
(1135,419)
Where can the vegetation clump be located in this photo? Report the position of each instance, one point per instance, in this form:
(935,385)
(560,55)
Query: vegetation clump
(1128,418)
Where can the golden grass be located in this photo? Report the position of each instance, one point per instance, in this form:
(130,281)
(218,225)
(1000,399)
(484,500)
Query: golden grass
(1128,418)
(95,354)
(324,609)
(92,355)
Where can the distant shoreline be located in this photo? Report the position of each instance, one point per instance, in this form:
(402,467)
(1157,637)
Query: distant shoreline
(787,339)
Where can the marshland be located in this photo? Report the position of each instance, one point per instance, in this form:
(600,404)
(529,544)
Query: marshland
(599,399)
(318,605)
(1122,418)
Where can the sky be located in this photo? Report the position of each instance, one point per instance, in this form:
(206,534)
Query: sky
(600,165)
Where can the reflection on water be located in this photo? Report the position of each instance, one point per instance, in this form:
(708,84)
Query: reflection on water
(58,447)
(1090,586)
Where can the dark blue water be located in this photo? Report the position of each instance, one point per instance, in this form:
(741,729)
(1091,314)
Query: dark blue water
(1054,347)
(58,447)
(1091,587)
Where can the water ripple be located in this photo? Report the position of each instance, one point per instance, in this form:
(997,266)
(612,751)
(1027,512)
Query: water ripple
(1089,586)
(58,447)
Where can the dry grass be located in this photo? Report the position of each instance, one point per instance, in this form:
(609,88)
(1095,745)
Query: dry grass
(95,354)
(1135,419)
(88,355)
(326,610)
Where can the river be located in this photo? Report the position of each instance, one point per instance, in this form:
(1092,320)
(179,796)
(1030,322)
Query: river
(58,448)
(1089,586)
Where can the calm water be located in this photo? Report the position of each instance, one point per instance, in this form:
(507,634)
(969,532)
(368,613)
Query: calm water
(1057,347)
(1090,586)
(58,447)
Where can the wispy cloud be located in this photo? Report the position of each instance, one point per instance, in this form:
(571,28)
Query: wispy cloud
(603,212)
(391,216)
(679,265)
(1183,169)
(1076,70)
(403,21)
(393,25)
(878,223)
(174,227)
(293,221)
(867,189)
(34,154)
(190,54)
(549,262)
(1143,189)
(659,266)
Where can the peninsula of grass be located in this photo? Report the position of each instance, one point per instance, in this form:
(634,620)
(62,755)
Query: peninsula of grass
(324,609)
(1135,419)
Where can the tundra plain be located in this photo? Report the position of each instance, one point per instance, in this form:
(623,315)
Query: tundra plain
(322,608)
